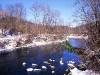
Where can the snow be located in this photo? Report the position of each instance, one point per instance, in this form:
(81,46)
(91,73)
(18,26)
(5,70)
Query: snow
(8,47)
(10,42)
(75,71)
(39,43)
(76,36)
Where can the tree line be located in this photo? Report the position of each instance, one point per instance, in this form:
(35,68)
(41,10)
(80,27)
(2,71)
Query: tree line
(45,20)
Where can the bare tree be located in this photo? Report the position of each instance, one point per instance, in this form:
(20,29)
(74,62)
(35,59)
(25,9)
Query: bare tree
(49,18)
(90,14)
(4,20)
(45,12)
(36,10)
(18,14)
(0,9)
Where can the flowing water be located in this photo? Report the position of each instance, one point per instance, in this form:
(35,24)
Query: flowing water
(11,63)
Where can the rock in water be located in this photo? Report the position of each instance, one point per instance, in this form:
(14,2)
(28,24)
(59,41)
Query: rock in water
(37,70)
(30,69)
(44,67)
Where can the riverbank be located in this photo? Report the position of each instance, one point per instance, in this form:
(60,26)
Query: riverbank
(78,36)
(75,71)
(12,43)
(90,64)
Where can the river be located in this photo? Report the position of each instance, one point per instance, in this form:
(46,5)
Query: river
(11,63)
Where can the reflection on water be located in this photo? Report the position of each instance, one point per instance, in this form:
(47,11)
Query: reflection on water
(11,63)
(79,43)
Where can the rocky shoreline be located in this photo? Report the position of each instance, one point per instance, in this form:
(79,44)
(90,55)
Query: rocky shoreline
(91,59)
(90,64)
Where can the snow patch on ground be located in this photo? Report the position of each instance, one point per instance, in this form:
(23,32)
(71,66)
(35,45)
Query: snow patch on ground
(76,36)
(9,43)
(75,71)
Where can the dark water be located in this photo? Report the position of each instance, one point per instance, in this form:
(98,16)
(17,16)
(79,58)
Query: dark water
(11,63)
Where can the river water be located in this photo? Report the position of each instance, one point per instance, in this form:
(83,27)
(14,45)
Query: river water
(11,63)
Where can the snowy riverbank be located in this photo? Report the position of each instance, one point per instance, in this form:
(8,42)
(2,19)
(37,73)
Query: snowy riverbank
(75,71)
(77,36)
(9,43)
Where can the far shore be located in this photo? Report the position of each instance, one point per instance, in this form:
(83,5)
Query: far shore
(31,45)
(36,43)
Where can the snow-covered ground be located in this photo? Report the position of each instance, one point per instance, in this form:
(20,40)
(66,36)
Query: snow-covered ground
(75,71)
(9,43)
(77,36)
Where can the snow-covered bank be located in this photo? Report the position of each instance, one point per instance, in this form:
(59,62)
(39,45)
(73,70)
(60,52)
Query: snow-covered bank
(9,43)
(75,71)
(77,36)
